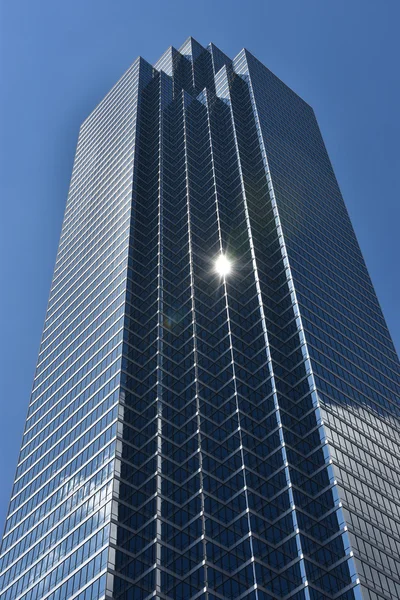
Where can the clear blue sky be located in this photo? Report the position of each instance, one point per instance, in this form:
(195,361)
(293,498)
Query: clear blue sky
(58,59)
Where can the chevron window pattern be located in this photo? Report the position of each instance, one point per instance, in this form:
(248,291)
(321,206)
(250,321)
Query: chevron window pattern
(215,412)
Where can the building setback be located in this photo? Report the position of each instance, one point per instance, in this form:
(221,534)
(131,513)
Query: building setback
(203,432)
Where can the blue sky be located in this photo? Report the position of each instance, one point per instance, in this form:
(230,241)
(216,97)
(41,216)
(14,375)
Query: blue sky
(58,59)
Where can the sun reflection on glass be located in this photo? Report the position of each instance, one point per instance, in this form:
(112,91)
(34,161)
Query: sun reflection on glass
(223,266)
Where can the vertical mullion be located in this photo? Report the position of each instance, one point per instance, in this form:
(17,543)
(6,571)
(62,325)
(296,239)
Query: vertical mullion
(159,347)
(195,354)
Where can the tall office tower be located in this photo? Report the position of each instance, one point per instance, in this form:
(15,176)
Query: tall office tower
(214,412)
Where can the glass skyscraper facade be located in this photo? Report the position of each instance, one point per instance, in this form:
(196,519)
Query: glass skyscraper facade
(192,434)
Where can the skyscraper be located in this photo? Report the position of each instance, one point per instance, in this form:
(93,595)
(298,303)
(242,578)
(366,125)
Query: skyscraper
(215,411)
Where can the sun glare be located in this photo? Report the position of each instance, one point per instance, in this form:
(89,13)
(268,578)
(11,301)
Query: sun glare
(223,266)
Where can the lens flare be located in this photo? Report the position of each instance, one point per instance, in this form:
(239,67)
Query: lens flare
(223,266)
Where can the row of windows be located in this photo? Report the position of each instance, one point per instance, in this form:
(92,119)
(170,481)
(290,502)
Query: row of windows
(374,556)
(336,359)
(93,300)
(62,467)
(74,561)
(367,510)
(57,553)
(88,265)
(317,204)
(111,216)
(60,504)
(61,349)
(339,261)
(97,277)
(102,142)
(84,388)
(328,279)
(60,413)
(109,353)
(136,71)
(98,169)
(310,210)
(384,539)
(118,192)
(103,347)
(379,581)
(354,407)
(95,591)
(98,120)
(332,305)
(369,594)
(72,414)
(103,222)
(96,116)
(89,314)
(73,478)
(282,149)
(340,400)
(354,389)
(350,427)
(347,308)
(291,169)
(358,477)
(42,544)
(57,443)
(349,345)
(109,324)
